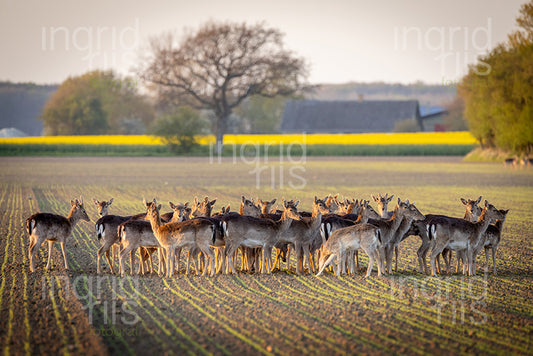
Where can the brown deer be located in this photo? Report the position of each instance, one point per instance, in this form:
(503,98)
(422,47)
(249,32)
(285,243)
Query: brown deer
(492,240)
(342,241)
(419,228)
(303,233)
(411,214)
(461,235)
(102,206)
(248,231)
(199,233)
(53,228)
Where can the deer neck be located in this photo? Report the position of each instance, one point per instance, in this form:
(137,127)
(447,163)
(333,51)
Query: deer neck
(284,224)
(73,218)
(481,226)
(396,220)
(362,218)
(155,221)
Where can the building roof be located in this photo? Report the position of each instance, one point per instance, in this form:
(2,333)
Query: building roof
(315,116)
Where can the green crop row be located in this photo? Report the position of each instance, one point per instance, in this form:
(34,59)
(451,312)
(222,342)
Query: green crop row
(234,150)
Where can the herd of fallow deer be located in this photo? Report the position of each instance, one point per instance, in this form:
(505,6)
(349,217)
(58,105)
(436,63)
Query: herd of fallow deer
(333,232)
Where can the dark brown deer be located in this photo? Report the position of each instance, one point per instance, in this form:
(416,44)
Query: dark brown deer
(53,228)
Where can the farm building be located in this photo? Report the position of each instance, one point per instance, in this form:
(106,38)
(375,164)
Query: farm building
(316,116)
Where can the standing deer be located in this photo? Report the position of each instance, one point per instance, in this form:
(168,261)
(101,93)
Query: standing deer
(199,233)
(103,206)
(461,235)
(419,228)
(53,228)
(248,231)
(492,240)
(302,234)
(390,227)
(351,238)
(383,202)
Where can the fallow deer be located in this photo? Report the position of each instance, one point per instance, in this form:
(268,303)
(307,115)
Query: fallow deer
(342,241)
(53,228)
(461,235)
(492,240)
(199,233)
(419,228)
(248,231)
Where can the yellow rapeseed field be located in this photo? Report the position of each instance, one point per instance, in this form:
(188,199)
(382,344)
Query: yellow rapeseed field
(419,138)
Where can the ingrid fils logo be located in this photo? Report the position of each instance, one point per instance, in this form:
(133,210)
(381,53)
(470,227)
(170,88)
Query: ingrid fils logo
(453,47)
(99,45)
(267,167)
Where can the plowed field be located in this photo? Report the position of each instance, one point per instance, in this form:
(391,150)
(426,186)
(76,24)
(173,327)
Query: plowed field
(80,312)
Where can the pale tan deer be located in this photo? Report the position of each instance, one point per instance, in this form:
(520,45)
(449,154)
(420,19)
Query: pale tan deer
(139,235)
(390,227)
(248,231)
(332,223)
(193,233)
(459,234)
(53,228)
(342,241)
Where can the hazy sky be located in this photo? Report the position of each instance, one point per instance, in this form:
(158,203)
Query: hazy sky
(373,40)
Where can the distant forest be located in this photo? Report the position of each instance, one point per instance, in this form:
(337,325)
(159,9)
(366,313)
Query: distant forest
(426,94)
(21,103)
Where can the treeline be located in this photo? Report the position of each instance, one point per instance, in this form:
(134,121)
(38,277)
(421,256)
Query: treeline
(21,105)
(426,94)
(498,91)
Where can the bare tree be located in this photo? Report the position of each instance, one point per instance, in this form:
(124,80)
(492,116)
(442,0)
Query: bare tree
(222,64)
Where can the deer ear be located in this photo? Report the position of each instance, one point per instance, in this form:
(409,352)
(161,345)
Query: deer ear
(145,203)
(110,202)
(186,205)
(172,206)
(159,207)
(296,203)
(243,198)
(72,202)
(464,201)
(478,199)
(213,202)
(375,198)
(486,203)
(390,198)
(272,201)
(399,201)
(95,201)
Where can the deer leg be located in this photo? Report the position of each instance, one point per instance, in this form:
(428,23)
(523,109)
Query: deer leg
(371,257)
(493,259)
(50,246)
(122,256)
(62,244)
(396,252)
